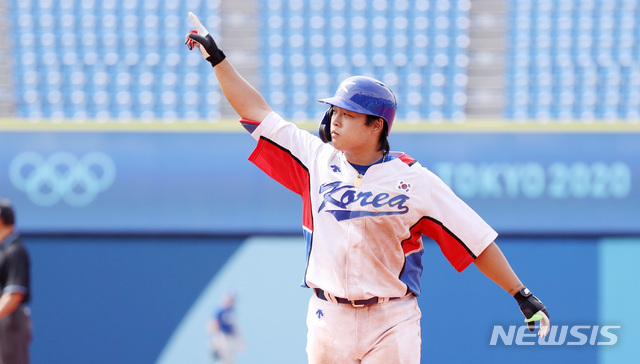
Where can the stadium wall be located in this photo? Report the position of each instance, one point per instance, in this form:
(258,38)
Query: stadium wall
(135,236)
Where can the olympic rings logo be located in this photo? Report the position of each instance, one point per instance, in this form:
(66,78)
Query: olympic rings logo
(62,176)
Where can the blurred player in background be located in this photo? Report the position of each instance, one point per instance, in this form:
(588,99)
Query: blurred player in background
(365,210)
(226,342)
(15,320)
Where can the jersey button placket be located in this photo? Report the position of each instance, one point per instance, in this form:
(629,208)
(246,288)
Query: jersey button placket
(354,259)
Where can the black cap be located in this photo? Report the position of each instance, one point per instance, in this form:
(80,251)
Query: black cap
(6,213)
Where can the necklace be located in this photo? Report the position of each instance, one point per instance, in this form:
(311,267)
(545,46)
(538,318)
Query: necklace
(359,177)
(356,183)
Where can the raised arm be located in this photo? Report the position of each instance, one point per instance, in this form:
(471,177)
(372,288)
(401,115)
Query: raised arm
(242,96)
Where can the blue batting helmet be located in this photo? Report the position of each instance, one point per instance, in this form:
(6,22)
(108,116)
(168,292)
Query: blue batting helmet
(364,95)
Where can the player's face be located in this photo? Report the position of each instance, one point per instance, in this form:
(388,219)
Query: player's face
(349,132)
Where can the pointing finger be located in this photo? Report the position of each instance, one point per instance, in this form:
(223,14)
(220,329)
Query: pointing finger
(201,29)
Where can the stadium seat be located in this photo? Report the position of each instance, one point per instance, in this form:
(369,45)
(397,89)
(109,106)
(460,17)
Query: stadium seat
(588,45)
(106,59)
(398,42)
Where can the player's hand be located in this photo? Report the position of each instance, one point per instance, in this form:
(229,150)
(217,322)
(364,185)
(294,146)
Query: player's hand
(533,310)
(201,38)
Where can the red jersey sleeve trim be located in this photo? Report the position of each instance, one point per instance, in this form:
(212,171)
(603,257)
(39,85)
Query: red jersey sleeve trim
(406,159)
(278,163)
(249,125)
(456,252)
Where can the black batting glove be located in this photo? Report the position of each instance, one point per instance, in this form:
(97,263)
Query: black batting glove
(533,310)
(208,47)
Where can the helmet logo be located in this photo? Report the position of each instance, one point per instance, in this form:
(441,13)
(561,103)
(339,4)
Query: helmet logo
(344,85)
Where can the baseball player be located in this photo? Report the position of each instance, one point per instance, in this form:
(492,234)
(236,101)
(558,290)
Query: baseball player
(225,341)
(15,318)
(365,210)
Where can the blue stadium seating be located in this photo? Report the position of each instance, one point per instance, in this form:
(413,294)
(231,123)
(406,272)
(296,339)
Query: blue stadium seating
(573,60)
(418,48)
(111,59)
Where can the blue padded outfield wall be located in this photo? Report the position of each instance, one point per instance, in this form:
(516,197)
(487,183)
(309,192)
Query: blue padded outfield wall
(136,236)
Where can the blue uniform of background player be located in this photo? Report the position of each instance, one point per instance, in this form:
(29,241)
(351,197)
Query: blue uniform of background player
(226,341)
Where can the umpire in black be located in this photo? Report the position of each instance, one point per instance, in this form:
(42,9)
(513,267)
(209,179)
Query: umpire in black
(15,320)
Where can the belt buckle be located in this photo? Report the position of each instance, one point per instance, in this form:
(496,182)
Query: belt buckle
(353,303)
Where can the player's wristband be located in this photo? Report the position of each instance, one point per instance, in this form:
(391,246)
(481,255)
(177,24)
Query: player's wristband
(522,295)
(216,55)
(530,305)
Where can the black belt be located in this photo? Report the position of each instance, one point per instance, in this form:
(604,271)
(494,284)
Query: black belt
(355,303)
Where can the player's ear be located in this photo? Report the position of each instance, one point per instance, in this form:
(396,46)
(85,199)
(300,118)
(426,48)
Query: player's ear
(378,125)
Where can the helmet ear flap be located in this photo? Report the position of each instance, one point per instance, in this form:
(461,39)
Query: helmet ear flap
(324,130)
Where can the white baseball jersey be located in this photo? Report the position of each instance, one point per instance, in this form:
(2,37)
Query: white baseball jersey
(366,241)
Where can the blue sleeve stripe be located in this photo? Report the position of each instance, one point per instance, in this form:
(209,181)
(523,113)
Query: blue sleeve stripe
(412,271)
(249,125)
